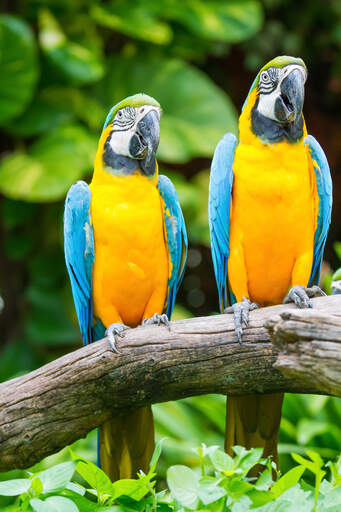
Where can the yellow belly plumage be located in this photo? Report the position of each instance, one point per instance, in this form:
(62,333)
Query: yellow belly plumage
(130,272)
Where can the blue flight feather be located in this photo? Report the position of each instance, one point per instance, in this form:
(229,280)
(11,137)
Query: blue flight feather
(221,180)
(176,239)
(79,253)
(325,191)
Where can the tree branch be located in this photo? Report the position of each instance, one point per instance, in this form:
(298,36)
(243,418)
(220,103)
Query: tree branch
(62,401)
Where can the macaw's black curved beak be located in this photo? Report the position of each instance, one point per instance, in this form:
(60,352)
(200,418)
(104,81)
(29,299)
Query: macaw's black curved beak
(289,105)
(145,142)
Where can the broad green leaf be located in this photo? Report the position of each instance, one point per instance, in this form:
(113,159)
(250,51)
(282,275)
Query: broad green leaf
(221,461)
(50,167)
(233,21)
(183,484)
(39,505)
(264,481)
(209,490)
(135,489)
(61,504)
(250,459)
(79,489)
(14,487)
(40,117)
(18,66)
(133,19)
(80,65)
(92,474)
(53,504)
(331,502)
(196,113)
(288,480)
(237,488)
(57,477)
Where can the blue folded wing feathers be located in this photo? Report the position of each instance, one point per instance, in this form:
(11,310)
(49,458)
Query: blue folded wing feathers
(221,181)
(324,190)
(79,253)
(176,239)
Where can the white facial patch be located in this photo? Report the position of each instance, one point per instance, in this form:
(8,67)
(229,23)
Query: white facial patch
(266,102)
(123,131)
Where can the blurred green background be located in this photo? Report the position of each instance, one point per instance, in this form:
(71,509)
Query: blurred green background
(63,63)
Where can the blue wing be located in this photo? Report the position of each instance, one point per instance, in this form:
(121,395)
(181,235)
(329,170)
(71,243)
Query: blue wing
(79,253)
(219,204)
(176,239)
(324,190)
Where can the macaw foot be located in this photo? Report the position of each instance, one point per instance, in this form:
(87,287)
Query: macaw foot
(301,295)
(240,312)
(157,319)
(114,330)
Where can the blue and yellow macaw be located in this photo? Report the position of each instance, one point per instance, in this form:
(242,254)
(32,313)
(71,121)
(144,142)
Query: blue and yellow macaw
(125,249)
(270,205)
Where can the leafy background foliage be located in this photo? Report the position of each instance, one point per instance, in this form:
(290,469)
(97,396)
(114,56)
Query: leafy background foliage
(221,484)
(63,64)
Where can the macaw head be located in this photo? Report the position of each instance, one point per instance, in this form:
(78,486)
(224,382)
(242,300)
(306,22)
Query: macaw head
(131,135)
(278,95)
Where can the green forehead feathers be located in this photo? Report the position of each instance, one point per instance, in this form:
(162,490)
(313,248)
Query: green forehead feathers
(132,101)
(277,62)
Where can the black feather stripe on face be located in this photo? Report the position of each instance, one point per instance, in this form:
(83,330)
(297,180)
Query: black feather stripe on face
(125,118)
(268,80)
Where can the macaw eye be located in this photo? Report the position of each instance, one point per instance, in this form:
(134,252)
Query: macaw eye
(119,113)
(265,77)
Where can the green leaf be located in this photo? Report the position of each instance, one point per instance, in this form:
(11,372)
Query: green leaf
(53,504)
(183,484)
(92,474)
(61,504)
(57,477)
(194,118)
(40,505)
(40,117)
(210,491)
(288,480)
(36,486)
(305,463)
(80,65)
(233,21)
(156,455)
(79,489)
(14,487)
(220,460)
(250,459)
(135,489)
(133,19)
(337,275)
(53,163)
(18,66)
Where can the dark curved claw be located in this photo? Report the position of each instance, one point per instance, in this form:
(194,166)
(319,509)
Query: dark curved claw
(115,329)
(240,312)
(157,319)
(301,295)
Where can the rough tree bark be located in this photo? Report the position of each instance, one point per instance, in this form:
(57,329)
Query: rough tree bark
(60,402)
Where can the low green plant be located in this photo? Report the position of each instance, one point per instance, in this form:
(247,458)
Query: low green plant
(221,485)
